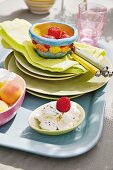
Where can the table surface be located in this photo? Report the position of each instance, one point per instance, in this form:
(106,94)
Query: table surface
(101,156)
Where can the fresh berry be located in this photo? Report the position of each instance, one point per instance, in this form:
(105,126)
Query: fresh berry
(55,31)
(41,47)
(49,36)
(65,36)
(63,104)
(47,46)
(34,42)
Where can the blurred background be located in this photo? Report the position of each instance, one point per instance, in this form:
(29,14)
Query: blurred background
(10,9)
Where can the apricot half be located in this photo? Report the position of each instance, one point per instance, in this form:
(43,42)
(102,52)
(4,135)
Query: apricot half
(10,92)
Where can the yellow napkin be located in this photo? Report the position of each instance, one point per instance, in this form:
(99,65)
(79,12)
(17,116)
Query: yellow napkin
(15,34)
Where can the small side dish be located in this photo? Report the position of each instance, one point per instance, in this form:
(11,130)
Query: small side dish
(57,117)
(12,91)
(53,39)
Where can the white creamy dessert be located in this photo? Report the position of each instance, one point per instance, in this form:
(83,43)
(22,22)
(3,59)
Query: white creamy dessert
(52,119)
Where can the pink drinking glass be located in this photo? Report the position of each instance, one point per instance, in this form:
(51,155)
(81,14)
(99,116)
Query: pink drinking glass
(91,19)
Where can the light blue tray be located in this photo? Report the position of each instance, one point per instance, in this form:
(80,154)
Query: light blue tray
(18,135)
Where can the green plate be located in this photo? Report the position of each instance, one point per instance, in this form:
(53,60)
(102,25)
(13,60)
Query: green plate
(39,76)
(75,86)
(51,97)
(36,70)
(34,123)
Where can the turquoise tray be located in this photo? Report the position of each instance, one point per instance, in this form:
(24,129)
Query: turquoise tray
(17,134)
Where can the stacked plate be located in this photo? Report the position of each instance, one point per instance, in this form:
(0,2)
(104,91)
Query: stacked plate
(39,6)
(52,85)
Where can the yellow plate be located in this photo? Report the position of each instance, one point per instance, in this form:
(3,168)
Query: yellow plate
(51,97)
(75,86)
(24,70)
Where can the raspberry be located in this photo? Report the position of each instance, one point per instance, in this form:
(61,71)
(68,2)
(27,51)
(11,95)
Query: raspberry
(54,31)
(49,36)
(63,104)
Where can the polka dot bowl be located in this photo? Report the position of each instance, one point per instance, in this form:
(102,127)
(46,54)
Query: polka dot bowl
(49,47)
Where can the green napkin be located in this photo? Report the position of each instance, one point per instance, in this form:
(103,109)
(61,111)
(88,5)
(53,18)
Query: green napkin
(15,35)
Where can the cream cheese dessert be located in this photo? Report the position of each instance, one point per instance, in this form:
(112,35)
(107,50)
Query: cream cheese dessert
(58,115)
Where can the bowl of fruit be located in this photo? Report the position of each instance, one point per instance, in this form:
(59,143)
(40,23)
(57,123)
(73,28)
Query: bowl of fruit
(12,93)
(53,39)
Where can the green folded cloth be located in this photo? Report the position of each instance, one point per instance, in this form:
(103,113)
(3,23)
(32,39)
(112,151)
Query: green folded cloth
(15,35)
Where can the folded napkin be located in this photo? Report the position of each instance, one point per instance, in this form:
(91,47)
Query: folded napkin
(15,35)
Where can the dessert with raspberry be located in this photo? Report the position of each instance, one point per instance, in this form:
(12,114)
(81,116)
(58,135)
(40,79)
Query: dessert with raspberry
(58,115)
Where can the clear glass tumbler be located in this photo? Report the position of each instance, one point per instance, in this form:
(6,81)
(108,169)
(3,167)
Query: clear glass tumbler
(91,19)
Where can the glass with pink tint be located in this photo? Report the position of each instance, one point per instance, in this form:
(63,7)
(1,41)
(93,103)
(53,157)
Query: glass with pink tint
(91,19)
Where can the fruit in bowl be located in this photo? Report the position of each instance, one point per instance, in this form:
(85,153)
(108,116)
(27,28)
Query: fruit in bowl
(12,92)
(57,117)
(53,39)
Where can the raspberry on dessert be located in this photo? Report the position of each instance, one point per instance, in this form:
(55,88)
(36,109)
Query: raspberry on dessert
(54,31)
(49,36)
(63,104)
